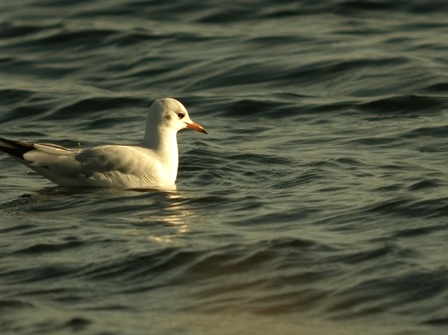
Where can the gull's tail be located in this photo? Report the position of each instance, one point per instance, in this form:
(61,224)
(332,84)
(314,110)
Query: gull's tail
(15,148)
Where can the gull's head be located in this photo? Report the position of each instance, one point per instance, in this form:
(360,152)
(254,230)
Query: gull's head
(171,114)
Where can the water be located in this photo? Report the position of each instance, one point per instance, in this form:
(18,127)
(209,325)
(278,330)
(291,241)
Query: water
(317,205)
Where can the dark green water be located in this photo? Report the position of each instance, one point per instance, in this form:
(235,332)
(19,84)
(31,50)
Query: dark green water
(318,203)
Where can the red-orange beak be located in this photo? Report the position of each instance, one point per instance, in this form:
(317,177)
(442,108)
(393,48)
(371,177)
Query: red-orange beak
(196,126)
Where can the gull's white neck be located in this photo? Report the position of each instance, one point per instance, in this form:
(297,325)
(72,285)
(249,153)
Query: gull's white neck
(163,142)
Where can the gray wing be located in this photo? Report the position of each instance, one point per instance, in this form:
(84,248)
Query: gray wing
(107,165)
(102,166)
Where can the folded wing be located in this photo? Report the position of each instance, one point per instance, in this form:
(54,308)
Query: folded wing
(101,166)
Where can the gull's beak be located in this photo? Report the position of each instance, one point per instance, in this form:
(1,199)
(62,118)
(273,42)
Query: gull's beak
(196,126)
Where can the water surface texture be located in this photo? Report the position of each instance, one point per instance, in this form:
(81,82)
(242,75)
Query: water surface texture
(317,204)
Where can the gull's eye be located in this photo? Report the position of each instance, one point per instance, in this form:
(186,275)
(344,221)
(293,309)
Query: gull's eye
(181,115)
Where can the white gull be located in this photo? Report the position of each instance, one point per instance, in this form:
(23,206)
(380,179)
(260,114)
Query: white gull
(153,163)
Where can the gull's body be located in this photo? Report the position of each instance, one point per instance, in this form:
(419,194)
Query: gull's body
(153,163)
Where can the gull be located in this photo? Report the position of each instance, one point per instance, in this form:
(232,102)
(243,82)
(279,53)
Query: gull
(153,163)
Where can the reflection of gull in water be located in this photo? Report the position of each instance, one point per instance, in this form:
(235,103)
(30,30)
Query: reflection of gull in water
(160,217)
(166,224)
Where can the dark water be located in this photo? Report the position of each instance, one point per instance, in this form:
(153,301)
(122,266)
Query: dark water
(318,204)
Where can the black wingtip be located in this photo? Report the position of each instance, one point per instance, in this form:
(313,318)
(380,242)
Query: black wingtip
(15,148)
